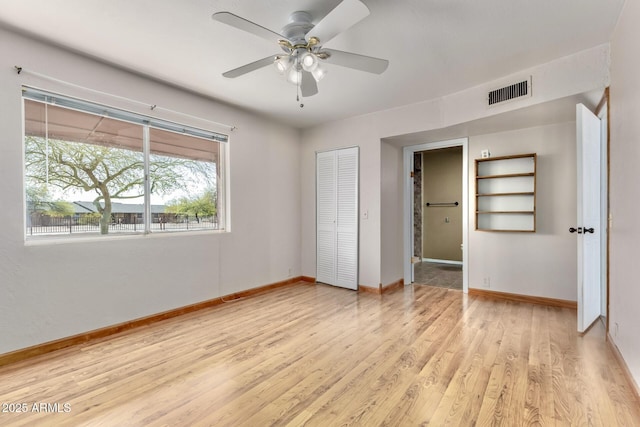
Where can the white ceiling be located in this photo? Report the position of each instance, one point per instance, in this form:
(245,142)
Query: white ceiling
(435,47)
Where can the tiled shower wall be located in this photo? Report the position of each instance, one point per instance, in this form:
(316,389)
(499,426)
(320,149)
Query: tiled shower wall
(417,205)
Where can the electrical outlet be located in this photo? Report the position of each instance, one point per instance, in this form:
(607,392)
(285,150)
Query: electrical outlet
(365,214)
(290,271)
(487,282)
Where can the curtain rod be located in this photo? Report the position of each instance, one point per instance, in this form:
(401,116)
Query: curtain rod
(151,107)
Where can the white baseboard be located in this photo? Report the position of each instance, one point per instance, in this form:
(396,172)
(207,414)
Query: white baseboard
(442,261)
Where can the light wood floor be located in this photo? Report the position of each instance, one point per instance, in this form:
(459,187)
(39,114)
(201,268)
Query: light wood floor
(323,356)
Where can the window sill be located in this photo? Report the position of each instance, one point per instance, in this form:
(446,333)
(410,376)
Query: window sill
(46,241)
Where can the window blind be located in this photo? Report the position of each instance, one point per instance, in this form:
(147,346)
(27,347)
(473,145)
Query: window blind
(115,113)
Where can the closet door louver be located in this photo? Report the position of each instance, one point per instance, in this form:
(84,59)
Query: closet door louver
(337,217)
(347,224)
(326,217)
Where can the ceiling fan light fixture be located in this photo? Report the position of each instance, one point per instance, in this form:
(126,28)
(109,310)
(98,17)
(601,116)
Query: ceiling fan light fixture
(294,75)
(309,61)
(318,73)
(283,63)
(301,42)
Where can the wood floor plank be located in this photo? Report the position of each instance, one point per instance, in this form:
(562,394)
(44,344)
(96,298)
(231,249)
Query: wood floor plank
(390,387)
(500,389)
(451,408)
(444,359)
(538,408)
(318,355)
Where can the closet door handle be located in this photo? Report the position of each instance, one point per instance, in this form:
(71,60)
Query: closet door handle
(588,230)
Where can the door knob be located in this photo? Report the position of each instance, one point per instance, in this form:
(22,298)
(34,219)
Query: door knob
(588,230)
(572,230)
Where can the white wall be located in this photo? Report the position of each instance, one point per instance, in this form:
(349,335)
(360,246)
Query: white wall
(49,291)
(391,190)
(624,273)
(574,74)
(353,132)
(541,263)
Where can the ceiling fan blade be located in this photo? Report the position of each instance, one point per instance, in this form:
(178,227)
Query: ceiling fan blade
(308,85)
(248,26)
(236,72)
(343,16)
(356,61)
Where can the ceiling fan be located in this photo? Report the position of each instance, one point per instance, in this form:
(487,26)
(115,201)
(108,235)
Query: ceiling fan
(303,45)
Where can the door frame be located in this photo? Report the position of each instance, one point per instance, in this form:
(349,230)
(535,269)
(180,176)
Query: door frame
(407,154)
(605,223)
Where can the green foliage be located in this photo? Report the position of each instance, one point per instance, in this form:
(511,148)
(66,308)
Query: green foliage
(89,219)
(60,209)
(203,205)
(40,200)
(109,171)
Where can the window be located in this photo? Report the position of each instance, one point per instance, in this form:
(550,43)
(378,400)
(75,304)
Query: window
(91,169)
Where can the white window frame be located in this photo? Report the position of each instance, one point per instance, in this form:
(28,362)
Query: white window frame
(146,123)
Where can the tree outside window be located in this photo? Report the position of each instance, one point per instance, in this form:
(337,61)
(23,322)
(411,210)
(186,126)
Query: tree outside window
(81,166)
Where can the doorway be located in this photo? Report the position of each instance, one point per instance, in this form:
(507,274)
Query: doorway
(410,196)
(438,217)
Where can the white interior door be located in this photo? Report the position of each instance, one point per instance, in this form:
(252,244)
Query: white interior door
(325,217)
(337,217)
(589,212)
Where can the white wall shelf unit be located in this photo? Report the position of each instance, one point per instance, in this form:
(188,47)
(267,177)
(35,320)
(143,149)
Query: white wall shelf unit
(506,193)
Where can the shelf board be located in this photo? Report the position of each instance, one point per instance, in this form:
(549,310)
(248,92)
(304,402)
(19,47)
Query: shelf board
(507,175)
(506,231)
(512,156)
(506,212)
(525,193)
(495,180)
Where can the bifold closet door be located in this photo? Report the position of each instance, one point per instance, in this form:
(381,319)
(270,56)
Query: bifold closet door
(337,217)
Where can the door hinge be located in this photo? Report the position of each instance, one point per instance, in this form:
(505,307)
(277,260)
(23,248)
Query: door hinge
(411,174)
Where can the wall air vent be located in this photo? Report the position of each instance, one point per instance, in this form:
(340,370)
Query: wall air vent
(511,92)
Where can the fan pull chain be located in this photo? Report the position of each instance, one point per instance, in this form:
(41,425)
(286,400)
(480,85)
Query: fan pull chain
(299,89)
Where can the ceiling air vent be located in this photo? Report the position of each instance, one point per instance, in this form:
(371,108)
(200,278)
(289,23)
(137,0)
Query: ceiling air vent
(511,92)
